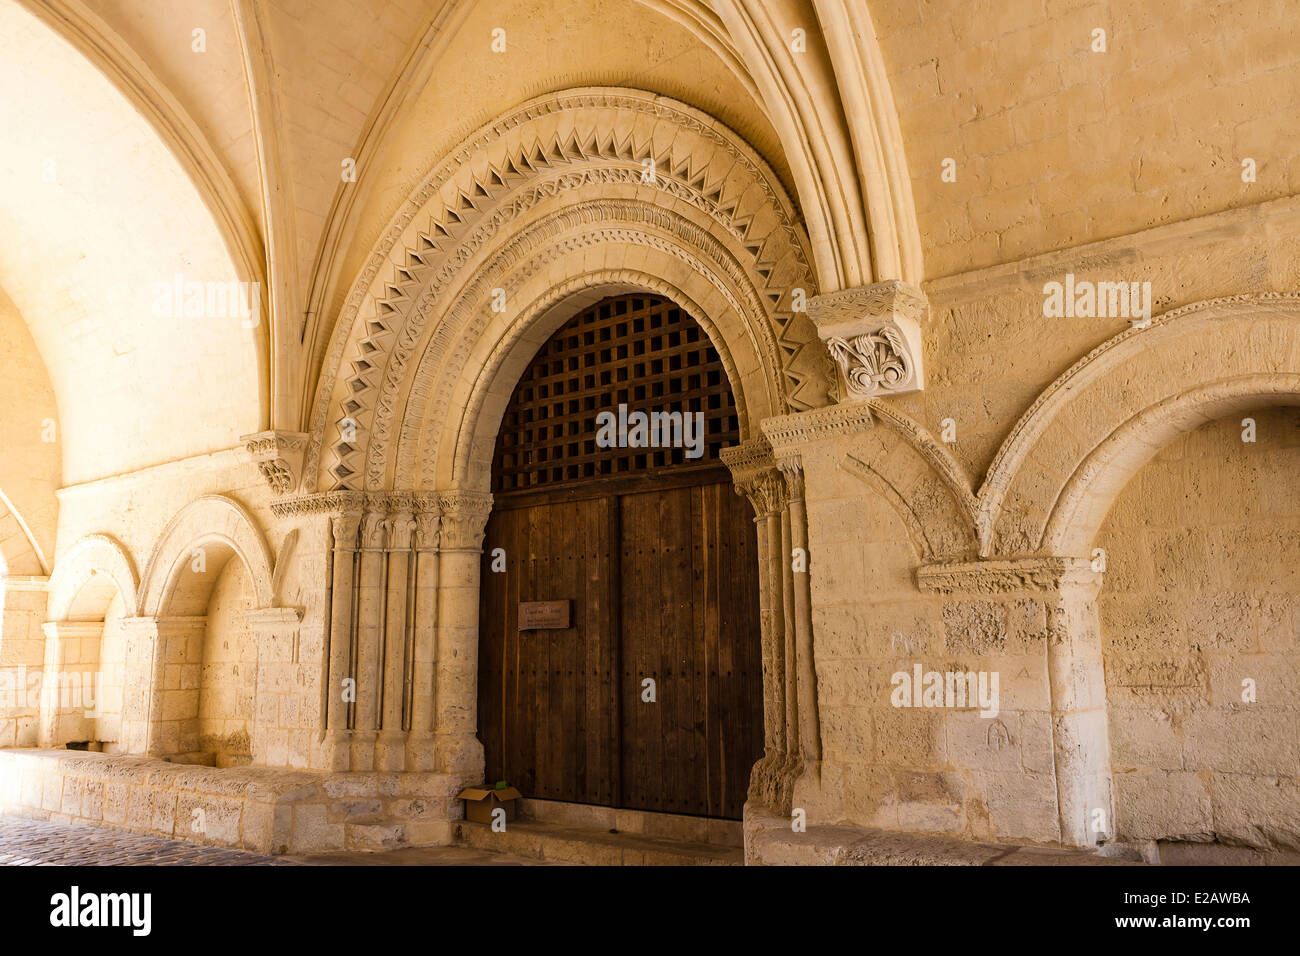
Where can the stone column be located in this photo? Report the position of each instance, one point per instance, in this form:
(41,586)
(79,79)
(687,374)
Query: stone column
(1068,588)
(390,752)
(72,684)
(160,706)
(805,665)
(343,530)
(755,475)
(371,606)
(464,519)
(794,440)
(420,741)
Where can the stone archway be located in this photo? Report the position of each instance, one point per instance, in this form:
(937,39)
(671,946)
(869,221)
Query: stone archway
(167,649)
(1051,485)
(93,588)
(571,196)
(652,556)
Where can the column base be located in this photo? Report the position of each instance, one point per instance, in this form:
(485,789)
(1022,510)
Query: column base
(390,751)
(460,755)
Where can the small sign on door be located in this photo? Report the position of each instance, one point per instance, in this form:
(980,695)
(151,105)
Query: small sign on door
(543,615)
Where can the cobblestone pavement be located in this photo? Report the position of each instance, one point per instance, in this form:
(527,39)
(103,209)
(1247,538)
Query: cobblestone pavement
(25,842)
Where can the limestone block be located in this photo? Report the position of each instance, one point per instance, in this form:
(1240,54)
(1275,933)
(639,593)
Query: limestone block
(1154,804)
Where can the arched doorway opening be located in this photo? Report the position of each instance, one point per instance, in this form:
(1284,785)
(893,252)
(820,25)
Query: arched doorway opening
(639,683)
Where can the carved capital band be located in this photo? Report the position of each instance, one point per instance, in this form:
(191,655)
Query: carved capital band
(788,433)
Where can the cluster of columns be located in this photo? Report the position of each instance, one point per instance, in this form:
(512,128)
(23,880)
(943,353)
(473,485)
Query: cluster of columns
(791,731)
(401,659)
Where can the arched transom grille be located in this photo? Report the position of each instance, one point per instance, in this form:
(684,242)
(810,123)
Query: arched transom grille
(633,368)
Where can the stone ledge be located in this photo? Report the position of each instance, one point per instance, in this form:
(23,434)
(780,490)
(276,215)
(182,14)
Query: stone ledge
(263,809)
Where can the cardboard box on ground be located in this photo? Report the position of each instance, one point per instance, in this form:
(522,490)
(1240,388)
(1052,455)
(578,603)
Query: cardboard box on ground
(481,801)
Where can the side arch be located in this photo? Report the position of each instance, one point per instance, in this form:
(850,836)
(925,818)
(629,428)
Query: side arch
(211,518)
(1070,454)
(84,577)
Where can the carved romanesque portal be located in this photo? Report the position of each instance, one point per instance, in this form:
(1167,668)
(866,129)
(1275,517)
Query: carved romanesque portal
(645,689)
(479,269)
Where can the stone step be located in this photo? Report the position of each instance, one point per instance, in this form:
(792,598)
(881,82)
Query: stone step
(589,846)
(668,826)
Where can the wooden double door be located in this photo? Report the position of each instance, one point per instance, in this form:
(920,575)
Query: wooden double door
(652,698)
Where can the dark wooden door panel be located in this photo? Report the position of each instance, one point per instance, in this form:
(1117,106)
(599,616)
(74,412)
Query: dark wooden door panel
(546,703)
(688,589)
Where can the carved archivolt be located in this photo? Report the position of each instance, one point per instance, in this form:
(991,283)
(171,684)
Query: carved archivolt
(707,194)
(467,321)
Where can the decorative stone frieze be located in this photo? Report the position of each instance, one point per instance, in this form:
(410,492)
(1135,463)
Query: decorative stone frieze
(278,456)
(873,333)
(787,433)
(1001,577)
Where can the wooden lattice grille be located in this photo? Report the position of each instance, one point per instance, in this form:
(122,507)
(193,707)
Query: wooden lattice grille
(640,351)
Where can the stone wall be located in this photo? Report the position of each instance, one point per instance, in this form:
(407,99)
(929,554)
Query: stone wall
(228,682)
(940,571)
(1202,594)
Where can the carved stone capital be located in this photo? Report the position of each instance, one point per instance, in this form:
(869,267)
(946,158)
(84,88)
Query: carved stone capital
(399,524)
(464,519)
(748,459)
(754,472)
(791,468)
(344,527)
(873,334)
(427,530)
(278,456)
(373,530)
